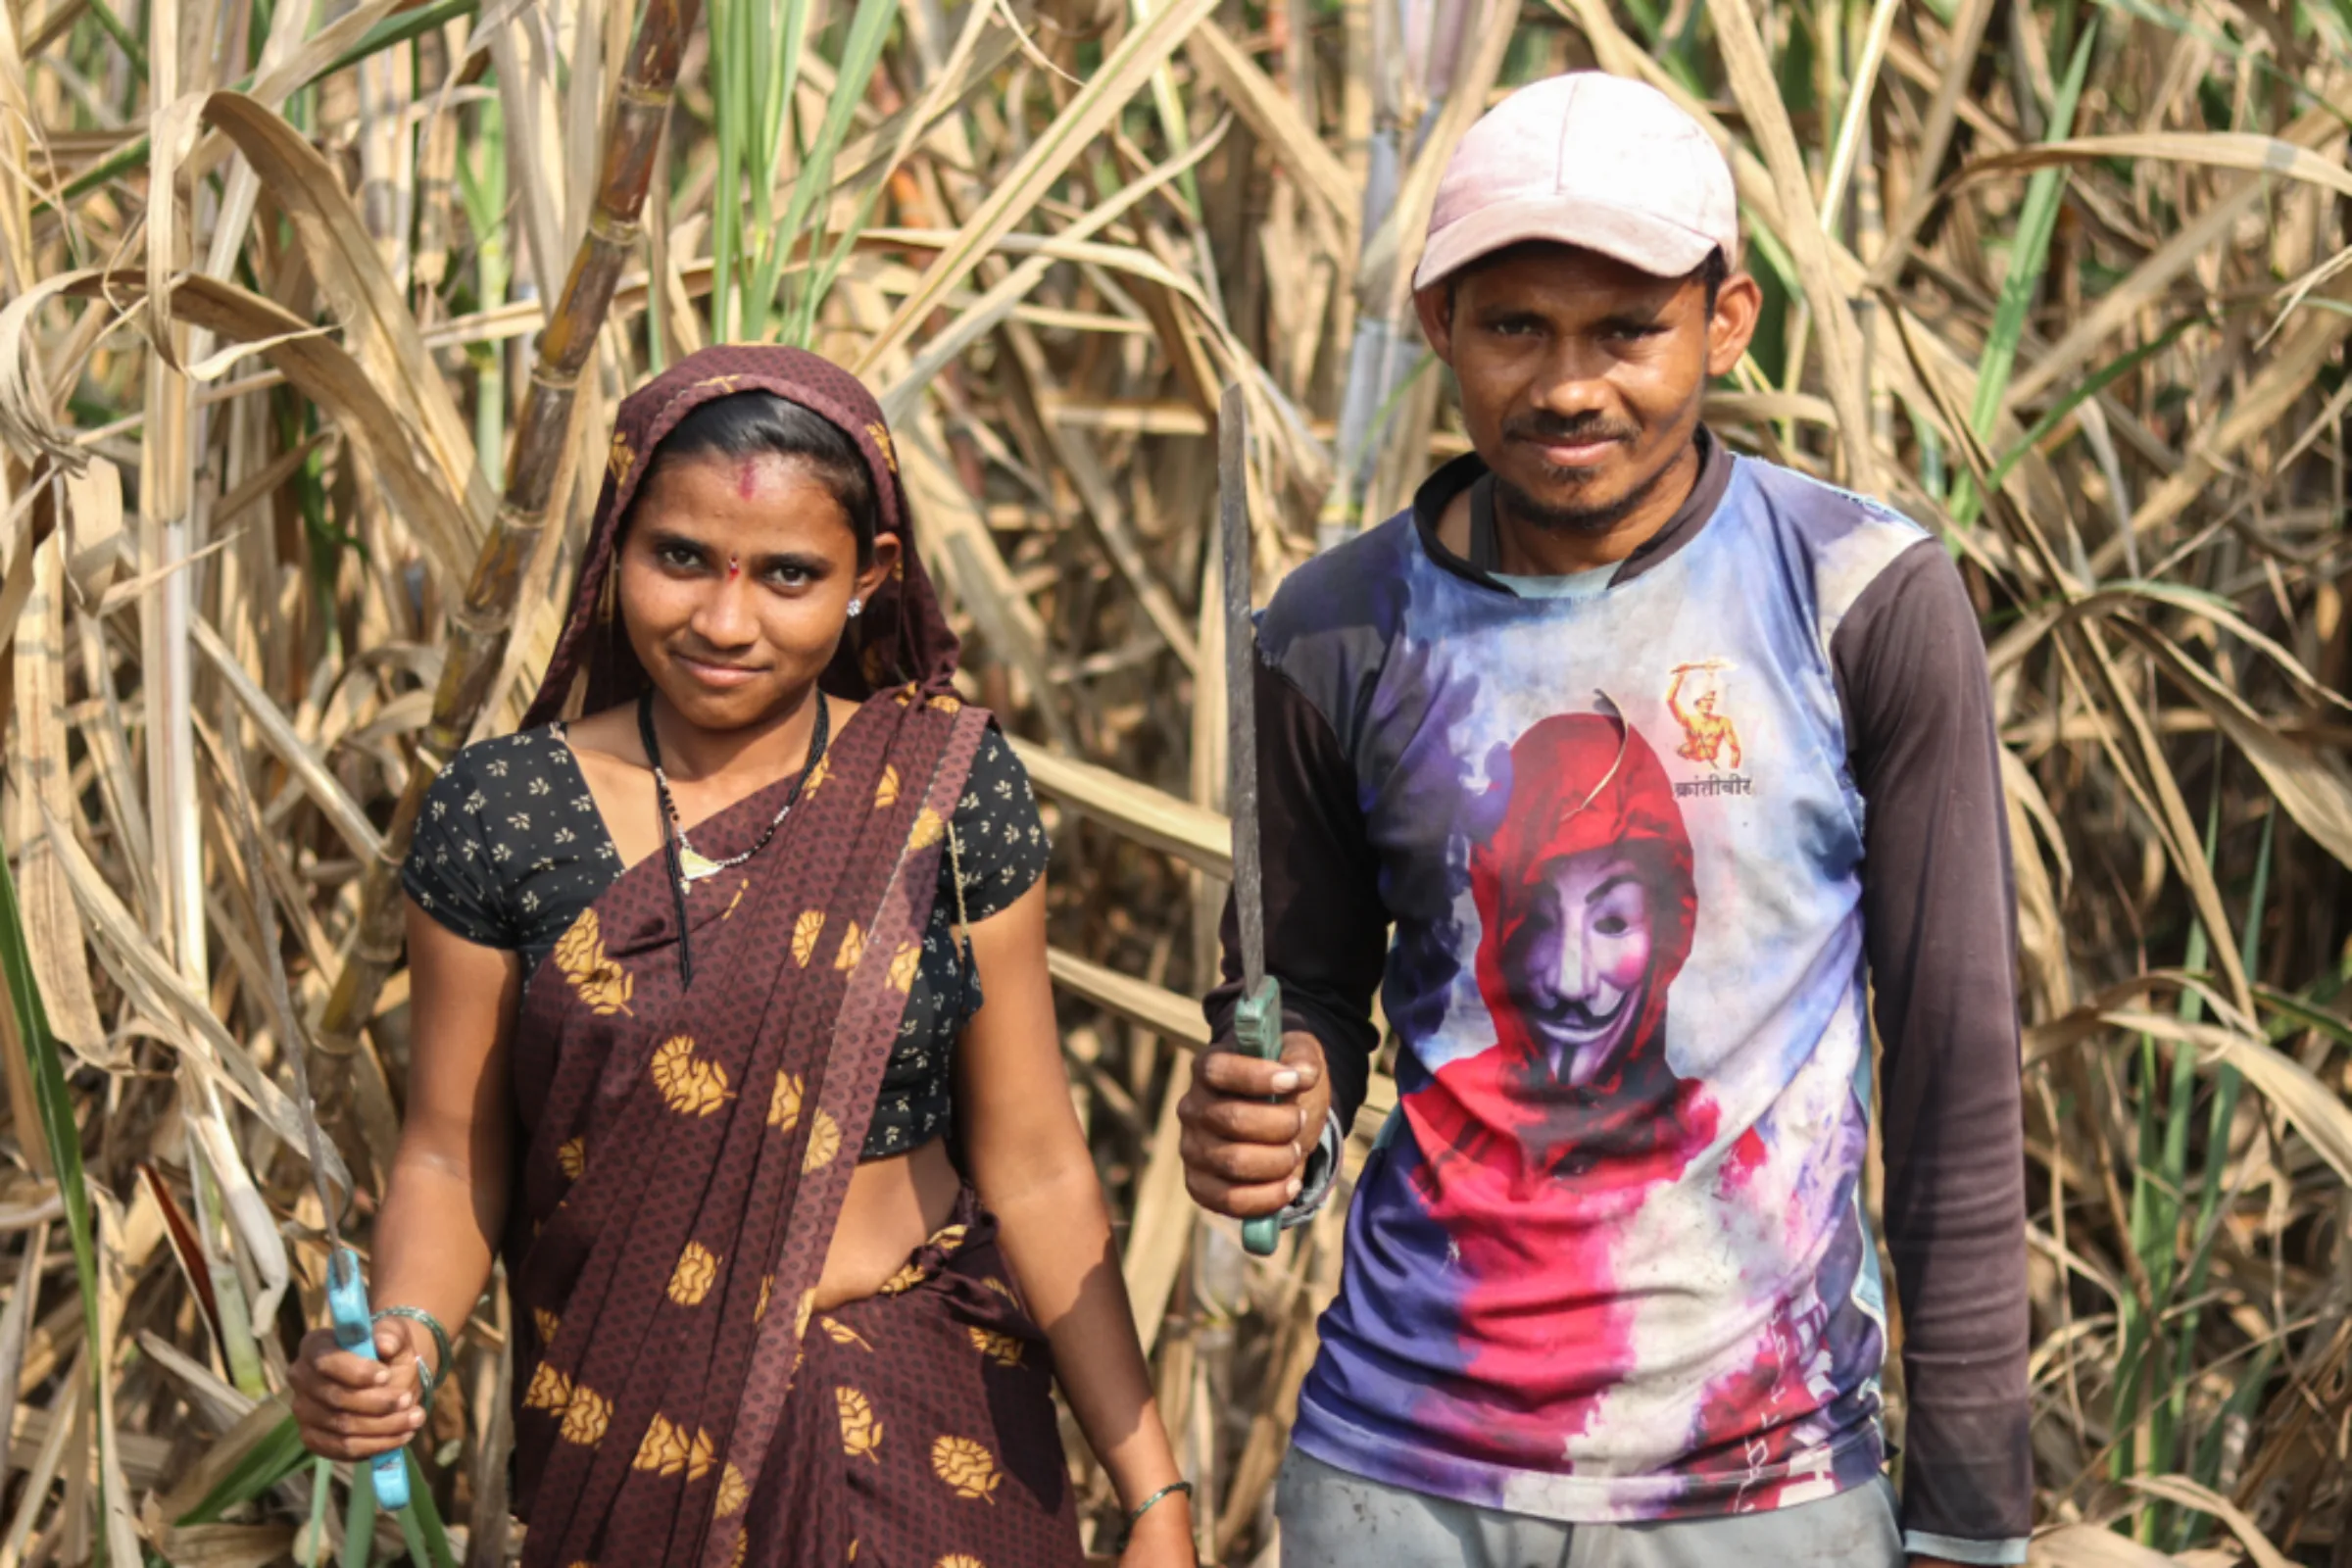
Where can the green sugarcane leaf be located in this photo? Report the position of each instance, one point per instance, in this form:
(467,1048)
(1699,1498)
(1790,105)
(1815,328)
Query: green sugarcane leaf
(420,1523)
(359,1518)
(2029,258)
(55,1106)
(861,55)
(278,1455)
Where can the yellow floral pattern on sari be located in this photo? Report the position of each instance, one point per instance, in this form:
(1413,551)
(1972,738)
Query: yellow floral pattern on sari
(602,983)
(689,1086)
(967,1468)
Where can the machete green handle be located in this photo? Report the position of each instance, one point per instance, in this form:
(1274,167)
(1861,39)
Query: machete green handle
(1258,1030)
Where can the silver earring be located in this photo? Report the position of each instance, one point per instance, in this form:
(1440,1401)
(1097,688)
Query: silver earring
(857,608)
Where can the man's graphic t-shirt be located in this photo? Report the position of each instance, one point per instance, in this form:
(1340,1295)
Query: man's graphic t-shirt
(1609,1260)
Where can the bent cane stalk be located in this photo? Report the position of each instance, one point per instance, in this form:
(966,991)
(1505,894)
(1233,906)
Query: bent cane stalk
(480,626)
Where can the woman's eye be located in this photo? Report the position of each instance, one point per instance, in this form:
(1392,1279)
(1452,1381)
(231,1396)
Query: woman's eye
(1610,925)
(678,557)
(790,576)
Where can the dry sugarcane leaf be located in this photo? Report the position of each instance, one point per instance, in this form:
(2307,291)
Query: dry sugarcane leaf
(1162,1229)
(27,408)
(327,376)
(2240,150)
(213,1466)
(277,733)
(381,332)
(94,524)
(1278,122)
(2120,304)
(1136,810)
(1750,70)
(53,936)
(221,1403)
(1384,274)
(1156,1007)
(2258,409)
(17,126)
(2088,1546)
(144,969)
(224,1545)
(1142,52)
(121,1529)
(2188,1494)
(945,345)
(2313,786)
(2308,1105)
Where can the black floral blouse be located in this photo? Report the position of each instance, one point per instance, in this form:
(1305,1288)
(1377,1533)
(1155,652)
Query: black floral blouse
(509,849)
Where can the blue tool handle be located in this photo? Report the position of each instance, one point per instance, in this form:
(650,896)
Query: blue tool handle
(1258,1030)
(354,1330)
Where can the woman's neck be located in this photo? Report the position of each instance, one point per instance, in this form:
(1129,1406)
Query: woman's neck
(737,760)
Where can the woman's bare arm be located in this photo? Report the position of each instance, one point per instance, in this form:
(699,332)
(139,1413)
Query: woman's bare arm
(1028,1157)
(440,1222)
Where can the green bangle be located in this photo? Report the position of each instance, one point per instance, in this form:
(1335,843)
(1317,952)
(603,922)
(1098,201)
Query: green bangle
(1135,1514)
(417,1314)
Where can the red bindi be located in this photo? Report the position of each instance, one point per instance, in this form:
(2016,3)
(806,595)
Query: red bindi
(734,568)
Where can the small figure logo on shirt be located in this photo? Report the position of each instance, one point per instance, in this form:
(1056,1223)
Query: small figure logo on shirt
(1695,699)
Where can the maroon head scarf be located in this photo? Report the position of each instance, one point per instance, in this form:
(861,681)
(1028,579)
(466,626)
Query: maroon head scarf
(687,1151)
(901,636)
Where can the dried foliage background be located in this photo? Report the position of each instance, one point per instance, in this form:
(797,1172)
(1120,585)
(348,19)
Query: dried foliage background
(295,439)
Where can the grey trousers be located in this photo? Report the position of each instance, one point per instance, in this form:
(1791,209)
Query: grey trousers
(1332,1519)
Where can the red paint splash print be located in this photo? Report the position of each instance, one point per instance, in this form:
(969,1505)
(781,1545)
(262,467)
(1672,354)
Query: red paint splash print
(1540,1151)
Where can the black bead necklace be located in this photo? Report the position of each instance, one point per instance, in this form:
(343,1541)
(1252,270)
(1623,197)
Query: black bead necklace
(687,864)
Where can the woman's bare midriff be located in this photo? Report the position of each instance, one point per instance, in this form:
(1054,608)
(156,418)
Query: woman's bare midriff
(893,1206)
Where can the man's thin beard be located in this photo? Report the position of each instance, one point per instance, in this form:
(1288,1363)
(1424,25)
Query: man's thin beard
(1526,508)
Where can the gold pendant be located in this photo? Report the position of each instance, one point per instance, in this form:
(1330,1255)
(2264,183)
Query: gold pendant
(693,865)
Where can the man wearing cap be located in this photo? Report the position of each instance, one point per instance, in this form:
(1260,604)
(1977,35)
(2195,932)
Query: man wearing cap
(1638,779)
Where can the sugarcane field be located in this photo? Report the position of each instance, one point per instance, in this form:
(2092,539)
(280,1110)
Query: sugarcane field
(916,782)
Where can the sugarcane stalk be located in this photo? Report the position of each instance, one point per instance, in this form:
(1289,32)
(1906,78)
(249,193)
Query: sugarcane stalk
(481,625)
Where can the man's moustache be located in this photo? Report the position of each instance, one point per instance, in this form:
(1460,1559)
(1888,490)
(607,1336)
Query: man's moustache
(1565,433)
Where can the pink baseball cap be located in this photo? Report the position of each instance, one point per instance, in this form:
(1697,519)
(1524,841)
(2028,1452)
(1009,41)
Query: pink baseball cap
(1588,160)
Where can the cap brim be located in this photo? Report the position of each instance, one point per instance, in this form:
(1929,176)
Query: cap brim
(1640,240)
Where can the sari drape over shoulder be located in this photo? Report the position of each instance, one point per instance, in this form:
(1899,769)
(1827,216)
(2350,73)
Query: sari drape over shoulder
(688,1147)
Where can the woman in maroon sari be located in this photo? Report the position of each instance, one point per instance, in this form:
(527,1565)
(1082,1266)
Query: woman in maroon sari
(708,984)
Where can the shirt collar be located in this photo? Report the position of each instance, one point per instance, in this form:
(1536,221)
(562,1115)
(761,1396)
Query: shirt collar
(1469,472)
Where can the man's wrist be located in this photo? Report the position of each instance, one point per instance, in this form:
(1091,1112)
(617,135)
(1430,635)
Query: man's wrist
(1320,1175)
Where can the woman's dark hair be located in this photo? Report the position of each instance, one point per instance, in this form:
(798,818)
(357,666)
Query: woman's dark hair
(750,424)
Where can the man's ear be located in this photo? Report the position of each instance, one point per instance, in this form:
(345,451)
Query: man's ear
(1739,304)
(1435,305)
